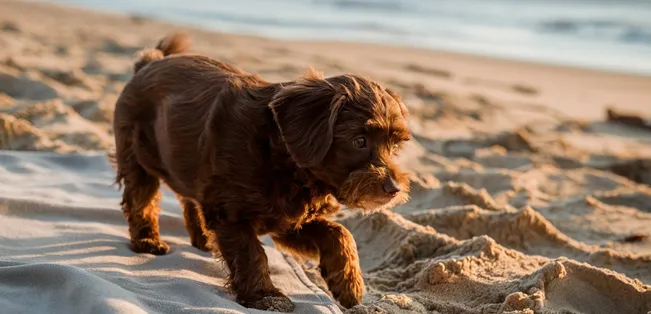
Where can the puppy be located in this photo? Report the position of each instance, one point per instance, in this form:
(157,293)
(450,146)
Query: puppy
(247,157)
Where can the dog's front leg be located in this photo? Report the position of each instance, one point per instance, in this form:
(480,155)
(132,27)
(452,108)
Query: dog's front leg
(246,260)
(336,250)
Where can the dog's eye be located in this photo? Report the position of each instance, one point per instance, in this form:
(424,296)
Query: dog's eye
(359,142)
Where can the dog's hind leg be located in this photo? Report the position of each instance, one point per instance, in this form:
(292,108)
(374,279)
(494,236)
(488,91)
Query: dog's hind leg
(140,206)
(194,223)
(140,197)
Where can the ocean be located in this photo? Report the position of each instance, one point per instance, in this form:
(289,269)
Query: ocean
(612,35)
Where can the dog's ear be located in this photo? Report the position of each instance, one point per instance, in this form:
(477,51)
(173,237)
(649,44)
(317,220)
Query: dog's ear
(305,112)
(403,108)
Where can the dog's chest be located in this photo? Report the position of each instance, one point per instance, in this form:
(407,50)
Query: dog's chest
(317,210)
(297,214)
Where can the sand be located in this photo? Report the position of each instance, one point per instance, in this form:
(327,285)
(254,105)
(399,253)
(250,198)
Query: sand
(63,249)
(528,194)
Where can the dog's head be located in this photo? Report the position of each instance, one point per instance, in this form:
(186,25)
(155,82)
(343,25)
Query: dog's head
(346,130)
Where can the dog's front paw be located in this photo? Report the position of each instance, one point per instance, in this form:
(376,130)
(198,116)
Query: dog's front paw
(274,301)
(151,246)
(347,286)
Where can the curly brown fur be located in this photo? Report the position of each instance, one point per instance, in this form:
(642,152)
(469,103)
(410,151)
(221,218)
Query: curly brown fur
(247,157)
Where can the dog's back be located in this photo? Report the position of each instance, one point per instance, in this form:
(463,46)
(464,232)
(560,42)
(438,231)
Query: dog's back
(169,107)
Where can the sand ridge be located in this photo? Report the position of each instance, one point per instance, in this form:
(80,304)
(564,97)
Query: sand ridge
(528,196)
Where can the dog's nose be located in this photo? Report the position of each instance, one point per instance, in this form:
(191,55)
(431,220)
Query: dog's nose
(390,186)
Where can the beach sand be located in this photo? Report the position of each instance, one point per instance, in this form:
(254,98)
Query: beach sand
(527,196)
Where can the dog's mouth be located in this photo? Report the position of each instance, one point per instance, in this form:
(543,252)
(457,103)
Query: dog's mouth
(374,190)
(375,205)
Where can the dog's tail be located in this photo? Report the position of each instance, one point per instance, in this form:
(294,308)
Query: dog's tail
(176,42)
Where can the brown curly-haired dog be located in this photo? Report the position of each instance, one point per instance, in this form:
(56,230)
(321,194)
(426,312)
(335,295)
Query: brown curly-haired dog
(247,157)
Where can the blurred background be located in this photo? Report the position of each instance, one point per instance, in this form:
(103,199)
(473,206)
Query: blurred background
(612,35)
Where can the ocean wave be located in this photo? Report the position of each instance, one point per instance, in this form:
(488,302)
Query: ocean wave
(619,31)
(366,5)
(585,33)
(295,22)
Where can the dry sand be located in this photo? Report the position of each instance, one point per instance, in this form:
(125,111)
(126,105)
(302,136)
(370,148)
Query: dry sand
(527,197)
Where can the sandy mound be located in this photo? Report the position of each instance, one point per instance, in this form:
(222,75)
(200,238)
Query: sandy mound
(415,269)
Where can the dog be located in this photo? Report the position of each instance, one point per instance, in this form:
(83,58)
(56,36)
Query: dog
(247,157)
